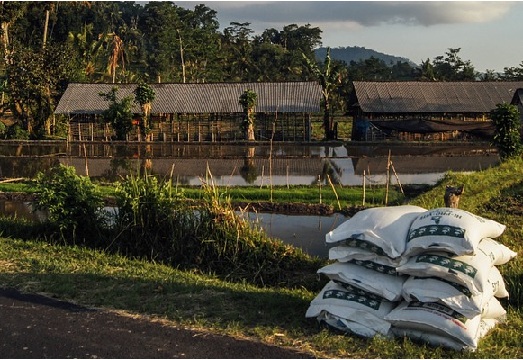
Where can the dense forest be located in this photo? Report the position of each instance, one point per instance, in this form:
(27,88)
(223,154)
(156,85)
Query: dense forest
(46,45)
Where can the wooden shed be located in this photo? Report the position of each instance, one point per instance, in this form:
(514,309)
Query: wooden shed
(199,112)
(427,110)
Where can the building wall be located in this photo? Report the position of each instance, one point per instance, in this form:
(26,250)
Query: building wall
(201,128)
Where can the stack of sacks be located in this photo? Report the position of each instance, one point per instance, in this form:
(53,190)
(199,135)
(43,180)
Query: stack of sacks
(429,275)
(364,286)
(450,297)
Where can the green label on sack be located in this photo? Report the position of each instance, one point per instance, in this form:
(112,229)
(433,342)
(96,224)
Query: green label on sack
(384,269)
(436,230)
(362,244)
(437,307)
(354,295)
(451,264)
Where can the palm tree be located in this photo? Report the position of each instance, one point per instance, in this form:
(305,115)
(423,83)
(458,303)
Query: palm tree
(329,78)
(117,53)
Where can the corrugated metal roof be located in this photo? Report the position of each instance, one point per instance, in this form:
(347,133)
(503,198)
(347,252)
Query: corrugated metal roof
(433,97)
(197,98)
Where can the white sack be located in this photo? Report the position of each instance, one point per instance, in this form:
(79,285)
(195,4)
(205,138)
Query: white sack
(348,253)
(432,339)
(437,319)
(346,326)
(382,230)
(445,341)
(386,286)
(456,296)
(354,305)
(499,253)
(452,230)
(471,271)
(493,310)
(497,282)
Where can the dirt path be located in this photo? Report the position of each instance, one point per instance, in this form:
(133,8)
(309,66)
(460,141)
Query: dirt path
(35,326)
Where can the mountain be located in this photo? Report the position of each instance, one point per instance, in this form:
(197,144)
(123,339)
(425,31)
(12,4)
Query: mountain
(356,53)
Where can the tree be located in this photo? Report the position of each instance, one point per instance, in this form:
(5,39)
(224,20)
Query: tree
(507,138)
(119,113)
(159,25)
(329,80)
(201,44)
(237,48)
(144,96)
(35,81)
(427,71)
(513,73)
(248,102)
(452,68)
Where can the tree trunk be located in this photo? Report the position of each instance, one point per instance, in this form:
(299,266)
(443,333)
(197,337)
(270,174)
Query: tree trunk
(250,128)
(328,124)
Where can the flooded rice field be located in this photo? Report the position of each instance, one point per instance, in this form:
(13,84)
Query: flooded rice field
(240,165)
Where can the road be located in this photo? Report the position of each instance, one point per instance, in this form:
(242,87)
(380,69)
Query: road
(36,326)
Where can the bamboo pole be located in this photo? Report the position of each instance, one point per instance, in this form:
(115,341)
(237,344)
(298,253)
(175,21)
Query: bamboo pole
(387,180)
(319,186)
(363,203)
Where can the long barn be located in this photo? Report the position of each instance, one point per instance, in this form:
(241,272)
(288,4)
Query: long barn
(426,110)
(199,112)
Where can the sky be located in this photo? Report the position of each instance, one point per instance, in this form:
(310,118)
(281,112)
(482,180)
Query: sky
(488,33)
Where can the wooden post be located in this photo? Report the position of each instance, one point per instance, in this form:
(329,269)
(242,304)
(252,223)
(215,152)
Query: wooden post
(319,186)
(387,180)
(363,188)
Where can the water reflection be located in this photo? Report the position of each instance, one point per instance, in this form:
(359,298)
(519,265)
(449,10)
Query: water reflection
(238,165)
(302,231)
(306,232)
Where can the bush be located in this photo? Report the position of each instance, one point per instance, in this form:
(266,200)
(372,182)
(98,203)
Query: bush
(16,132)
(157,223)
(507,137)
(74,206)
(145,223)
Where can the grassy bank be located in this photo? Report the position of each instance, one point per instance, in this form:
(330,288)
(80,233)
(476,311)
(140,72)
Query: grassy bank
(336,196)
(274,315)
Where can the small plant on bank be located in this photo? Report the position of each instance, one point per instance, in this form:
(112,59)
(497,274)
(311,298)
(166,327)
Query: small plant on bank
(507,138)
(74,205)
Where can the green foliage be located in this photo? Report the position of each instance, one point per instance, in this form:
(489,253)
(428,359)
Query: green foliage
(155,222)
(507,138)
(329,77)
(119,113)
(15,131)
(74,205)
(144,94)
(149,220)
(35,81)
(248,102)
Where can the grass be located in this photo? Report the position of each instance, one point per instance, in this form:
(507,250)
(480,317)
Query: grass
(337,196)
(273,315)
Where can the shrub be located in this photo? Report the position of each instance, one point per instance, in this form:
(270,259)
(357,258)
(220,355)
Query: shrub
(507,137)
(145,225)
(157,223)
(74,205)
